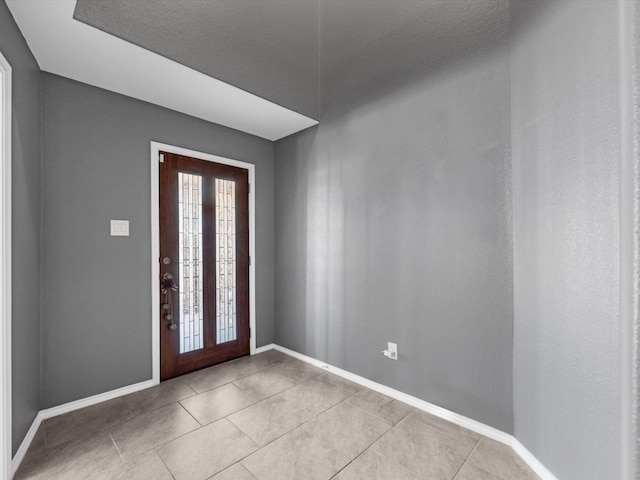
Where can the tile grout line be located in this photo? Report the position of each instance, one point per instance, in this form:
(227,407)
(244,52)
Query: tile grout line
(191,415)
(273,395)
(155,450)
(369,448)
(155,447)
(296,427)
(246,407)
(221,418)
(344,400)
(475,447)
(378,416)
(246,470)
(443,432)
(224,417)
(116,445)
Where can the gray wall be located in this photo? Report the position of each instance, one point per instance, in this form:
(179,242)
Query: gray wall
(565,125)
(96,288)
(25,276)
(393,223)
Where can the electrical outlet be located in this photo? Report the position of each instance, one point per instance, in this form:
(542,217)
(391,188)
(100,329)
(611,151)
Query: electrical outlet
(391,351)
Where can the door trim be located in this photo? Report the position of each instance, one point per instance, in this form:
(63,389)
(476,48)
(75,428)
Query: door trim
(629,243)
(156,148)
(5,266)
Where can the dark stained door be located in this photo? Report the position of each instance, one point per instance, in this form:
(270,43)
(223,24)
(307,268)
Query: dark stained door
(204,264)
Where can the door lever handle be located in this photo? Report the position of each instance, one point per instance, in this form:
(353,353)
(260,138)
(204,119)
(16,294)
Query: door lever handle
(168,283)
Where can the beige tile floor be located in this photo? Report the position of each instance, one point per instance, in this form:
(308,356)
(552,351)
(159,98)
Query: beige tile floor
(264,417)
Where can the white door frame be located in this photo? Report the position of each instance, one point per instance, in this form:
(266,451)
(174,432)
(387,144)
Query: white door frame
(156,148)
(629,242)
(5,268)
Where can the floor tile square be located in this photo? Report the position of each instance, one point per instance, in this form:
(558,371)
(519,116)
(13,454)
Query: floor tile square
(265,383)
(74,460)
(216,376)
(262,361)
(320,392)
(444,426)
(500,460)
(298,369)
(234,472)
(158,396)
(207,451)
(426,452)
(215,404)
(147,466)
(386,408)
(295,456)
(269,419)
(469,472)
(152,429)
(373,466)
(85,421)
(350,429)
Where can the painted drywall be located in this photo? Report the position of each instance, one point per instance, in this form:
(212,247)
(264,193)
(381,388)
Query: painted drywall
(393,223)
(96,304)
(25,276)
(565,134)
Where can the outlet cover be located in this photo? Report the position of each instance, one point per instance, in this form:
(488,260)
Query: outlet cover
(392,348)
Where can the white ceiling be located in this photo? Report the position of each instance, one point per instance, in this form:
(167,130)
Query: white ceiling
(72,49)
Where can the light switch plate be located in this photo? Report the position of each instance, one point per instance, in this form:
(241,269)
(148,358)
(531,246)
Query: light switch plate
(119,228)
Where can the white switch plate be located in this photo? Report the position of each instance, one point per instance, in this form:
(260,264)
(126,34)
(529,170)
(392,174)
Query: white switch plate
(119,228)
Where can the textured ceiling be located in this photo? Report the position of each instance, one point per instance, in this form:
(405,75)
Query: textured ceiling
(268,48)
(306,54)
(372,47)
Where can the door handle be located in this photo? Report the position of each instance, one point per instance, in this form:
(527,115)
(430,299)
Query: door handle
(168,283)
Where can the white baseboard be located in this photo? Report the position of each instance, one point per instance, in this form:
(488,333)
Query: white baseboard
(26,443)
(101,397)
(265,348)
(453,417)
(532,461)
(66,408)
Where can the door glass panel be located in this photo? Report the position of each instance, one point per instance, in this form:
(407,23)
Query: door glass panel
(190,261)
(225,260)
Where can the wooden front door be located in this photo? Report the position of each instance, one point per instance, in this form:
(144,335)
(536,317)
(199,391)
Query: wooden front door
(204,264)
